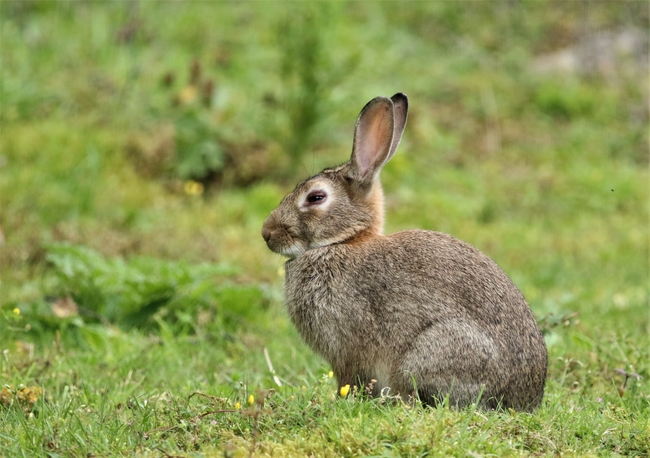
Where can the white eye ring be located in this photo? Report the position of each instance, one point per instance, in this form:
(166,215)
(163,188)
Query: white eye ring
(318,197)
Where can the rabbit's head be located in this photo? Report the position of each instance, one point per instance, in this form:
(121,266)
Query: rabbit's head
(346,202)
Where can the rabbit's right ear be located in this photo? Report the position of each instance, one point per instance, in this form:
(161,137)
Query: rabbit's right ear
(373,138)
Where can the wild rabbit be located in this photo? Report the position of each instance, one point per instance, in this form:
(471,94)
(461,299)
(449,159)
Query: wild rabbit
(420,312)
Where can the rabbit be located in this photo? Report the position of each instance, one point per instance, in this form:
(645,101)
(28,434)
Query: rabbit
(417,313)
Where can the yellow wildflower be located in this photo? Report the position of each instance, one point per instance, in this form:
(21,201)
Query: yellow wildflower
(16,311)
(193,188)
(345,390)
(331,374)
(237,406)
(188,94)
(251,400)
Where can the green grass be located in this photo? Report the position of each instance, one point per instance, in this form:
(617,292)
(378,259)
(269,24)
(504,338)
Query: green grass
(132,197)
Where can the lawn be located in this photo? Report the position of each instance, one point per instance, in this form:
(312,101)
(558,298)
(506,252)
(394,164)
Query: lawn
(143,144)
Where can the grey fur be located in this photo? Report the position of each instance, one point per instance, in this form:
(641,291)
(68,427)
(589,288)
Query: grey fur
(420,312)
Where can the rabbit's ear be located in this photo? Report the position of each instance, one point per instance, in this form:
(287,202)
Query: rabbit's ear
(401,109)
(373,137)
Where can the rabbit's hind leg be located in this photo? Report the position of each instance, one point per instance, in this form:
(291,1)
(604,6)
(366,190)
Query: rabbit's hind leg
(457,360)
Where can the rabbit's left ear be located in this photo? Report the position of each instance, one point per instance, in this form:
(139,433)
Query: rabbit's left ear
(373,136)
(400,110)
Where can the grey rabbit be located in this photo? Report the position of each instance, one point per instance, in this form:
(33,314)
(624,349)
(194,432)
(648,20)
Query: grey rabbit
(420,312)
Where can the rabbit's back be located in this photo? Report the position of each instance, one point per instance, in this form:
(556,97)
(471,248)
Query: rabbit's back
(419,305)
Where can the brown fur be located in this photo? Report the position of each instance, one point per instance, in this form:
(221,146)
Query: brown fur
(421,312)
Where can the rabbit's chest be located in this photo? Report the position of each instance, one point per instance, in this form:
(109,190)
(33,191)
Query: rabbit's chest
(317,308)
(324,308)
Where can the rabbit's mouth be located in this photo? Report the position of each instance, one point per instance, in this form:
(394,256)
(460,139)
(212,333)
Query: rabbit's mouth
(281,241)
(288,246)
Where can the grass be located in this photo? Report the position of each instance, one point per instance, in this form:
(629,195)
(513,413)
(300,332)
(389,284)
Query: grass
(143,144)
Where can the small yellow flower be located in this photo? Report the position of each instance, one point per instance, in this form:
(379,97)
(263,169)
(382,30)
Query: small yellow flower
(16,311)
(193,188)
(303,388)
(251,400)
(345,390)
(188,94)
(331,374)
(237,406)
(291,398)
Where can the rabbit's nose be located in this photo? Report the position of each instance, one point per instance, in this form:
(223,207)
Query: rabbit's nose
(266,233)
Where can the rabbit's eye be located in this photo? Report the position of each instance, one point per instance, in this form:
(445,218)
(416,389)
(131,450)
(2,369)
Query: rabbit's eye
(316,197)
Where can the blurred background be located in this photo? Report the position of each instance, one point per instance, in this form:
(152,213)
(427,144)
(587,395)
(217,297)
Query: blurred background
(143,144)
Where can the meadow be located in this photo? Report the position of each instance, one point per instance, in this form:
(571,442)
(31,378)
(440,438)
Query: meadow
(142,145)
